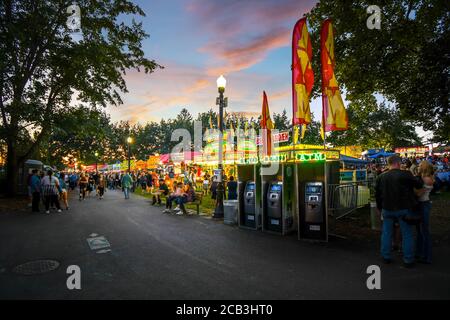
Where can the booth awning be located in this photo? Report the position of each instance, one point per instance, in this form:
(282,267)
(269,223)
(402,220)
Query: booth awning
(352,160)
(381,155)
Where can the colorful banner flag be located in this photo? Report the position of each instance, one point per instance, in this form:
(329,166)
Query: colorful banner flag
(296,135)
(302,73)
(210,121)
(303,130)
(334,116)
(266,126)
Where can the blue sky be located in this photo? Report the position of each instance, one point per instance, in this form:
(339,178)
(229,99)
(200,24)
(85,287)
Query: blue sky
(248,41)
(197,40)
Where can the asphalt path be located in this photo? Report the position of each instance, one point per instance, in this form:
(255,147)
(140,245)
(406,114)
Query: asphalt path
(160,256)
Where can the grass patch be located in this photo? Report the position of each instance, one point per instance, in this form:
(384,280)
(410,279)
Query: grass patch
(207,206)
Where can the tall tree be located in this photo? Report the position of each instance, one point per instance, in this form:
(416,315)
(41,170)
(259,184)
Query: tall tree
(281,120)
(406,60)
(42,69)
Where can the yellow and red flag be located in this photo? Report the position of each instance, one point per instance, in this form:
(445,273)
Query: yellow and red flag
(267,124)
(334,116)
(302,73)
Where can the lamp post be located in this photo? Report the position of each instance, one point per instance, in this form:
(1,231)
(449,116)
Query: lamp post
(222,102)
(129,141)
(96,161)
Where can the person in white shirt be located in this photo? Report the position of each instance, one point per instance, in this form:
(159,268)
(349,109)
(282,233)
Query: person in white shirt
(50,186)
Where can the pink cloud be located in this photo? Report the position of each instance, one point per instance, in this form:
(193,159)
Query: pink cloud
(244,32)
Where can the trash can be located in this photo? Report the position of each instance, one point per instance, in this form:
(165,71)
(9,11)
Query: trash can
(230,208)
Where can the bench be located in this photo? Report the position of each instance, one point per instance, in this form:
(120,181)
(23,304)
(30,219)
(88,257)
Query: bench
(198,200)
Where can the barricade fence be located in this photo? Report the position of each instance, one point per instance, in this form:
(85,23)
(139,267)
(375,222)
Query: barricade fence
(344,198)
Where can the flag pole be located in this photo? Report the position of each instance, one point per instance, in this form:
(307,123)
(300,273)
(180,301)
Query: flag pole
(325,180)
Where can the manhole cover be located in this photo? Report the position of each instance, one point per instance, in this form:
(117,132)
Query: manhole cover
(36,267)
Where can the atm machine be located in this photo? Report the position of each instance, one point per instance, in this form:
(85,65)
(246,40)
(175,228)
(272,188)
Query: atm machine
(314,224)
(313,203)
(250,219)
(274,207)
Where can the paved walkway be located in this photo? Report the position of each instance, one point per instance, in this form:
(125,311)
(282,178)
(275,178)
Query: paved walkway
(159,256)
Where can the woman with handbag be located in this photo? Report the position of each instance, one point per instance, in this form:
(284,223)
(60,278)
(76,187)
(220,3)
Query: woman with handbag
(424,243)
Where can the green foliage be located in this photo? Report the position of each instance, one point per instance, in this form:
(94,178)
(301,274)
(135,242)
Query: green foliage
(42,70)
(407,60)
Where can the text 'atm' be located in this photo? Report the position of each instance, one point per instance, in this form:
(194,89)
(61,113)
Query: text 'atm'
(274,202)
(249,204)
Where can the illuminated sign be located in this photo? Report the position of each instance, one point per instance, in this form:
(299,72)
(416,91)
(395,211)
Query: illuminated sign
(281,157)
(315,156)
(331,154)
(251,160)
(276,138)
(246,145)
(412,150)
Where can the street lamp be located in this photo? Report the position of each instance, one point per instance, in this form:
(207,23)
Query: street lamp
(129,141)
(96,160)
(222,102)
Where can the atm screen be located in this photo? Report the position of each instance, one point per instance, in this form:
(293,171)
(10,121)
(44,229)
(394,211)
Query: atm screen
(313,189)
(250,186)
(276,188)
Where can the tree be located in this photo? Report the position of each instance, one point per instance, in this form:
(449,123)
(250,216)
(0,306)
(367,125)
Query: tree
(42,69)
(382,128)
(281,121)
(77,133)
(407,60)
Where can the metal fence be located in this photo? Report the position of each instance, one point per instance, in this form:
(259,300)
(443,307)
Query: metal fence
(344,198)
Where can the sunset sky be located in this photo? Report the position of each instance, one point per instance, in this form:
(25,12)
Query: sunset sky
(197,40)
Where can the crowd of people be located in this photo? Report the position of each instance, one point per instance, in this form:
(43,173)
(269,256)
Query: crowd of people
(51,188)
(402,192)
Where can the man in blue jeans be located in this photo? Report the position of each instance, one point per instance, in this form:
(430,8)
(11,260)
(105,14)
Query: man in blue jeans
(395,198)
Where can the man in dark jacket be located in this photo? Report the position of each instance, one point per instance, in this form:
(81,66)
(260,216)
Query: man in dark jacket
(395,198)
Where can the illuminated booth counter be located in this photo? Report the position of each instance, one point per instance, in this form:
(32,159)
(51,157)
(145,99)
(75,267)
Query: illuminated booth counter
(286,192)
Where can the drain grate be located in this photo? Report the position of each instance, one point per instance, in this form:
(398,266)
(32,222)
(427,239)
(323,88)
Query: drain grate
(36,267)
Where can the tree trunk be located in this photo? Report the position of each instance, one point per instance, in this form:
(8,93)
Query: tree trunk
(12,170)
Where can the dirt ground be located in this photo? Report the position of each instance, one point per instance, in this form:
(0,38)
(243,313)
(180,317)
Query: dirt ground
(357,227)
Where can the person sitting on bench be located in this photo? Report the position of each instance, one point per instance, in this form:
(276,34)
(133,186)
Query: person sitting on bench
(188,196)
(178,193)
(163,189)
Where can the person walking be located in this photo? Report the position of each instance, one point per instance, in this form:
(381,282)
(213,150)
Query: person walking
(424,243)
(143,183)
(50,185)
(101,186)
(83,183)
(63,190)
(126,183)
(394,193)
(35,188)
